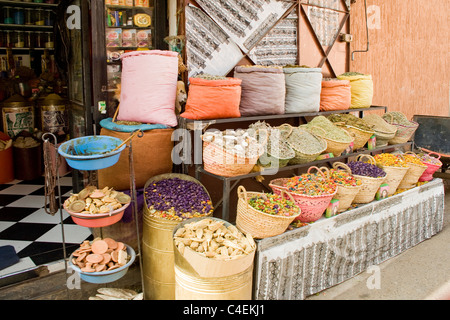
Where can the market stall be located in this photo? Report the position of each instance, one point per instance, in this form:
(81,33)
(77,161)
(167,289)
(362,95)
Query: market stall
(305,261)
(305,195)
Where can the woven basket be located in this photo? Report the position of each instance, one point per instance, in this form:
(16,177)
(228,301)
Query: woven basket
(220,162)
(345,194)
(413,175)
(431,168)
(268,160)
(361,136)
(312,207)
(404,133)
(301,156)
(278,185)
(383,138)
(258,224)
(333,146)
(394,175)
(369,186)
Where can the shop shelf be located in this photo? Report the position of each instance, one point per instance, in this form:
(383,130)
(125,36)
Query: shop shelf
(28,4)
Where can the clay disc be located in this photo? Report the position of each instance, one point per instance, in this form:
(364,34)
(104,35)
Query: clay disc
(99,246)
(112,244)
(94,258)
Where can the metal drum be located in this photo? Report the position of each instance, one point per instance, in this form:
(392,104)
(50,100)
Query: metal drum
(157,249)
(17,116)
(201,278)
(53,115)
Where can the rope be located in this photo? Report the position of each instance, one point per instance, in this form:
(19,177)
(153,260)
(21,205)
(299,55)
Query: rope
(50,175)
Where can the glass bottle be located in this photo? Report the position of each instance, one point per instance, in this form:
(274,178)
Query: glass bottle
(29,16)
(19,16)
(19,40)
(39,17)
(8,17)
(39,39)
(49,44)
(48,17)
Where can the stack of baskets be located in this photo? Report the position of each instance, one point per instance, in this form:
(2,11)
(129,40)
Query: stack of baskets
(405,128)
(259,224)
(335,147)
(395,168)
(383,130)
(416,169)
(277,152)
(306,145)
(312,205)
(224,161)
(370,185)
(357,127)
(347,190)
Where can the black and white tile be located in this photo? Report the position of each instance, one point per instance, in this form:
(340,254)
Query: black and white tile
(36,235)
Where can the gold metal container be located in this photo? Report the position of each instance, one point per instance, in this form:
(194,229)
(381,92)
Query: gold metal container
(17,116)
(201,278)
(157,248)
(235,287)
(53,114)
(158,258)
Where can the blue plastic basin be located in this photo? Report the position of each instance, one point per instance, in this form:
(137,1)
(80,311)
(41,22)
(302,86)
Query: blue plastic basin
(105,276)
(91,152)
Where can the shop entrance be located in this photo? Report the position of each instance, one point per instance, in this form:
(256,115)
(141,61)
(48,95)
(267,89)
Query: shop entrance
(48,86)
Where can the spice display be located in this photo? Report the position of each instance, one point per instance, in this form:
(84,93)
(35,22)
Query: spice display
(274,204)
(390,160)
(410,158)
(397,117)
(305,141)
(430,159)
(330,131)
(361,168)
(177,199)
(311,184)
(91,200)
(100,255)
(351,120)
(238,142)
(344,178)
(379,124)
(212,239)
(207,76)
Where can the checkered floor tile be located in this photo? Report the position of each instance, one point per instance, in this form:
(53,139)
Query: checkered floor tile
(36,235)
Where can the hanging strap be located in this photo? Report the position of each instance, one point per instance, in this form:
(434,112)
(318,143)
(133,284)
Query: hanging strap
(50,174)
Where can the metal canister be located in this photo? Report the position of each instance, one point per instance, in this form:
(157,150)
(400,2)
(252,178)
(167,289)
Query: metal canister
(157,249)
(53,114)
(17,116)
(235,287)
(158,257)
(201,278)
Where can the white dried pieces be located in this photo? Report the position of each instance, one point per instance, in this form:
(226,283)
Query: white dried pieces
(116,294)
(239,142)
(5,144)
(212,239)
(91,200)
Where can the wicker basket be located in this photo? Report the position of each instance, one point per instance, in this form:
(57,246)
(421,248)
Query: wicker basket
(258,224)
(413,175)
(333,146)
(218,161)
(369,186)
(278,185)
(404,133)
(301,156)
(268,160)
(312,207)
(361,136)
(345,194)
(431,168)
(394,175)
(383,138)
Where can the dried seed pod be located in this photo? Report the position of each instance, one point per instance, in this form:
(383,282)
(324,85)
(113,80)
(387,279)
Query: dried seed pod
(179,232)
(194,245)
